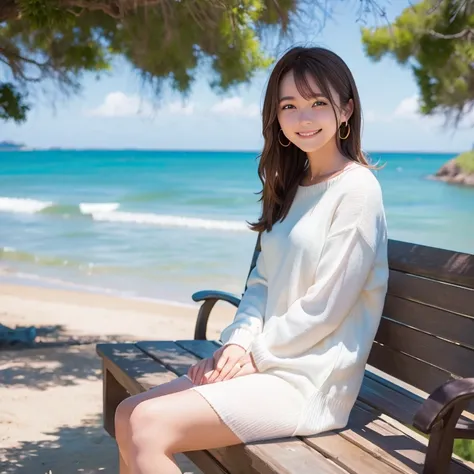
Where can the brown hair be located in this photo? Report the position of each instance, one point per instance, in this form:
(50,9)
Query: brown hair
(281,168)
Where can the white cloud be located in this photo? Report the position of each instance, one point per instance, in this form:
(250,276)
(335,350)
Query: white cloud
(408,108)
(119,104)
(235,106)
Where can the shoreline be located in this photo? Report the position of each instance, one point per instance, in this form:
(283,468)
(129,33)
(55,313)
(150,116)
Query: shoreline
(37,281)
(71,316)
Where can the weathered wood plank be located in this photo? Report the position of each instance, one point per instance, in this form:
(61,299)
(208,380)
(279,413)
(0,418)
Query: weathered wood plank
(206,463)
(351,457)
(450,357)
(407,368)
(413,446)
(172,356)
(270,458)
(438,294)
(279,456)
(122,359)
(440,264)
(113,393)
(439,322)
(201,349)
(414,396)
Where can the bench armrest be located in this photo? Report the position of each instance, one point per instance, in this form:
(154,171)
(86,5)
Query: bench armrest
(216,295)
(210,298)
(453,396)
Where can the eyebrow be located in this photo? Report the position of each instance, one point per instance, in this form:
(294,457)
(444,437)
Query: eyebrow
(288,97)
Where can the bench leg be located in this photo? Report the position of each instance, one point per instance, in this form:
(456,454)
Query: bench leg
(440,446)
(113,394)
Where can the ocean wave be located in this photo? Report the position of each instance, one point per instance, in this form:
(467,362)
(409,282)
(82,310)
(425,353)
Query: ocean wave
(169,221)
(33,206)
(107,212)
(100,207)
(23,205)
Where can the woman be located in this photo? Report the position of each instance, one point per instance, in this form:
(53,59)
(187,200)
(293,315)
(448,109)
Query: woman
(293,358)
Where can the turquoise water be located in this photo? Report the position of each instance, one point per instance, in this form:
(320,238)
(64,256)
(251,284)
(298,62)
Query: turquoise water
(163,224)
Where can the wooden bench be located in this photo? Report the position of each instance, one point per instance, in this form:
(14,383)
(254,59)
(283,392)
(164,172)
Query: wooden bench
(420,379)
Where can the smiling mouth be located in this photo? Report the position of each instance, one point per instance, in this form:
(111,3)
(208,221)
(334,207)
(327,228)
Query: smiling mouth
(308,134)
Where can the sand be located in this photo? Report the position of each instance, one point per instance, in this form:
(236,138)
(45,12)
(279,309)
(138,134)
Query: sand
(51,394)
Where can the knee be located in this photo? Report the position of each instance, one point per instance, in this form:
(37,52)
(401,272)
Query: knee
(147,425)
(122,416)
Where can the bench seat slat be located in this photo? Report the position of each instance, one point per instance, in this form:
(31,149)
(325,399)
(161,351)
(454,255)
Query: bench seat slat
(405,444)
(131,367)
(356,454)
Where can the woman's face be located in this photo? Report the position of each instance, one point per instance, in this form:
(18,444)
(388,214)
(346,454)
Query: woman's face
(309,123)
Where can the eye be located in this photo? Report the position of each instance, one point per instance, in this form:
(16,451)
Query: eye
(287,106)
(319,103)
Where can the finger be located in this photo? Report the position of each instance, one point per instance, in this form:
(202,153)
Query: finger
(207,372)
(194,374)
(191,372)
(198,371)
(218,366)
(220,362)
(226,370)
(247,369)
(235,370)
(199,374)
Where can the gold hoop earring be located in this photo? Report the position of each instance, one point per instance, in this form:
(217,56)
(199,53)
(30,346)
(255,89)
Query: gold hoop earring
(348,131)
(289,141)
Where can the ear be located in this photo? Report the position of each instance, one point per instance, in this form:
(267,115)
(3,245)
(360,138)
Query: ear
(347,111)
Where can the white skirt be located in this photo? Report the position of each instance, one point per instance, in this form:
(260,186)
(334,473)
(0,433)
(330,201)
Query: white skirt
(255,407)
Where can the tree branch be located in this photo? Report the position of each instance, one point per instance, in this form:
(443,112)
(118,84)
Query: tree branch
(467,32)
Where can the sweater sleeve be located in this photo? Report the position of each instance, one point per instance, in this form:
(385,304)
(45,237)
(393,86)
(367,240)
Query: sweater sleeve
(346,261)
(248,320)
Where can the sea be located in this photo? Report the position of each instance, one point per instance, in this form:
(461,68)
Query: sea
(161,225)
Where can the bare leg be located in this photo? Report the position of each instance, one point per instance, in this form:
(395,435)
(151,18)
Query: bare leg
(123,468)
(126,408)
(175,423)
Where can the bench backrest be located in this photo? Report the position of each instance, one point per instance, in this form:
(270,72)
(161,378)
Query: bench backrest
(426,334)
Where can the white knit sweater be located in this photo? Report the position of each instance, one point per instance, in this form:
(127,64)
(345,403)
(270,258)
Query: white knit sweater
(314,299)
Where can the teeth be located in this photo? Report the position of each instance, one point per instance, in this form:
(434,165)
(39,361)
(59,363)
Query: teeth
(309,134)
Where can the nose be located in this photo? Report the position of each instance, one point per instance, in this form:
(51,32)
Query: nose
(306,117)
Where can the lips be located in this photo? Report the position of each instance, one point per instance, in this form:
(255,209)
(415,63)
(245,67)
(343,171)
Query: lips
(308,134)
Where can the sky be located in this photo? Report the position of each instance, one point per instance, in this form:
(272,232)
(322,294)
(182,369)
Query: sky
(115,112)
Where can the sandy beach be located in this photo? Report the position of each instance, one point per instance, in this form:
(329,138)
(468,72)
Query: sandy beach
(51,394)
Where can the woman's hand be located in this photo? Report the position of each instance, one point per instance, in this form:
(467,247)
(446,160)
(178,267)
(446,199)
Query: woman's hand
(226,362)
(247,366)
(199,372)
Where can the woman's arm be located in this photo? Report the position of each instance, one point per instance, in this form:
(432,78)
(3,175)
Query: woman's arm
(248,321)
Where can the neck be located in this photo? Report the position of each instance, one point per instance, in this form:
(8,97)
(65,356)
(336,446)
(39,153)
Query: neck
(326,160)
